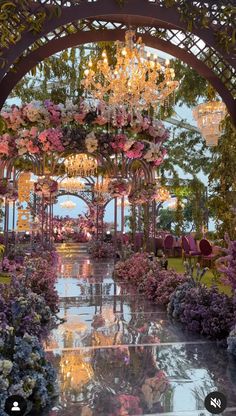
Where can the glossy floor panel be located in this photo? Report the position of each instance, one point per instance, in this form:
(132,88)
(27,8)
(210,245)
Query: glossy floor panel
(118,354)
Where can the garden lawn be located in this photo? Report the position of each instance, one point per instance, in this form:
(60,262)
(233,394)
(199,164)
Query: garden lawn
(208,279)
(4,278)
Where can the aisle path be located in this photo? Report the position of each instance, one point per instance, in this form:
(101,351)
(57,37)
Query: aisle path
(113,341)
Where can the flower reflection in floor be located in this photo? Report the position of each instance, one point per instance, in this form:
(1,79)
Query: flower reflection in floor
(117,354)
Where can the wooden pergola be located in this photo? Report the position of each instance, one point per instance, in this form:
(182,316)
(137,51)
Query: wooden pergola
(198,33)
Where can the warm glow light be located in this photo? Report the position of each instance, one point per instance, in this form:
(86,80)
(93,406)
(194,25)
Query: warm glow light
(81,165)
(208,117)
(137,82)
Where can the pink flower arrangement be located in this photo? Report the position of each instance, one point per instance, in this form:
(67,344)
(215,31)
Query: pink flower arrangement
(134,268)
(39,130)
(119,188)
(135,152)
(147,193)
(46,187)
(7,190)
(118,144)
(128,405)
(50,140)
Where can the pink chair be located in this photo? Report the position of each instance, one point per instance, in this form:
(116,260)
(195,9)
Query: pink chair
(187,252)
(206,251)
(169,244)
(193,246)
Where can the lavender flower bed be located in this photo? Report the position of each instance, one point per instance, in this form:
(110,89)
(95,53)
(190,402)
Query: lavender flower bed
(200,309)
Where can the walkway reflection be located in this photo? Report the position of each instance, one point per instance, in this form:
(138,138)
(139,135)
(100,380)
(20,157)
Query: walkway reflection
(118,354)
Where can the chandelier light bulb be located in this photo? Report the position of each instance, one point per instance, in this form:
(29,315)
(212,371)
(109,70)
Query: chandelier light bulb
(134,82)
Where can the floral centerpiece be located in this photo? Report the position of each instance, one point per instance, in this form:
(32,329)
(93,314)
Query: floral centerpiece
(7,190)
(146,193)
(119,188)
(99,249)
(46,187)
(42,128)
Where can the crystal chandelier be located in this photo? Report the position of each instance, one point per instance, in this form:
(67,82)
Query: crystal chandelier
(163,195)
(102,187)
(81,165)
(71,185)
(68,205)
(137,82)
(208,117)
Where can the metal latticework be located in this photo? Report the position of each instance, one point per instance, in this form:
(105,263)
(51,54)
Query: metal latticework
(199,33)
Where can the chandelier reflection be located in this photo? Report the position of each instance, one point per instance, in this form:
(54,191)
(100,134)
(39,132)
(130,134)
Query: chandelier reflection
(137,82)
(71,185)
(208,117)
(81,165)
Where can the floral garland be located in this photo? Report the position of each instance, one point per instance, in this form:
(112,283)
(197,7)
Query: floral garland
(7,190)
(119,187)
(46,187)
(42,128)
(146,193)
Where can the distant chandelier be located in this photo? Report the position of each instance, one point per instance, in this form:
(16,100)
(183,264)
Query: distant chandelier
(68,205)
(71,185)
(137,82)
(81,165)
(208,117)
(102,187)
(162,195)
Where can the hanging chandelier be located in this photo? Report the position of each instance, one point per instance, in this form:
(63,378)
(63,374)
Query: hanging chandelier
(81,165)
(71,185)
(68,204)
(162,195)
(208,117)
(137,82)
(102,187)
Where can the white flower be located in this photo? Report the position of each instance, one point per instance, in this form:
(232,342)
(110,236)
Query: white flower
(5,367)
(153,152)
(91,142)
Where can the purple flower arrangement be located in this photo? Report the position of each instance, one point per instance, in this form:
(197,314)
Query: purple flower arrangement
(28,307)
(24,370)
(161,284)
(200,309)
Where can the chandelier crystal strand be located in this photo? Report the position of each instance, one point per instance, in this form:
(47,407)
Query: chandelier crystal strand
(102,187)
(81,165)
(208,117)
(137,82)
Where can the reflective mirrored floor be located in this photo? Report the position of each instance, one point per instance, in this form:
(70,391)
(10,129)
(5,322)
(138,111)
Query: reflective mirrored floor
(118,354)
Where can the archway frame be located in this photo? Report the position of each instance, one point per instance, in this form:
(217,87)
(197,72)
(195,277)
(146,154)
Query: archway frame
(63,24)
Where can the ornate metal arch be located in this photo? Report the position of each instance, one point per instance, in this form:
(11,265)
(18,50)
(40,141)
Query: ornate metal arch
(191,30)
(83,195)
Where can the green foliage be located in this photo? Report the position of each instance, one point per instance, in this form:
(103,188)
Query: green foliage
(222,181)
(192,85)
